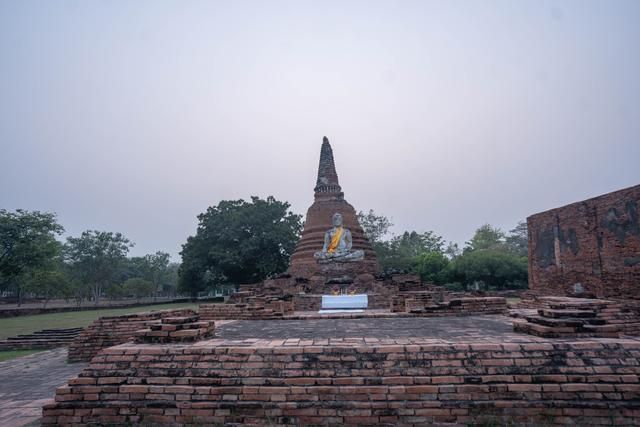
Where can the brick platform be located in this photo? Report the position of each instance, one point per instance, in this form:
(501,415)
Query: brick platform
(357,381)
(113,330)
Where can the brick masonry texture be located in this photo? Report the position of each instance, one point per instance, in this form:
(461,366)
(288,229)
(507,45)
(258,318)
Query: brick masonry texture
(113,330)
(595,243)
(285,382)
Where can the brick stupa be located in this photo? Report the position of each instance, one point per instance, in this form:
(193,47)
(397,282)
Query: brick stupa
(329,199)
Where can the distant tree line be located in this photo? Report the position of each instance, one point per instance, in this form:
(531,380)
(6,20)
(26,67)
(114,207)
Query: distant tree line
(236,242)
(33,262)
(491,259)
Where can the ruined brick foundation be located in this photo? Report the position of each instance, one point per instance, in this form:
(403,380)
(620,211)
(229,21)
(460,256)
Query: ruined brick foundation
(108,331)
(269,383)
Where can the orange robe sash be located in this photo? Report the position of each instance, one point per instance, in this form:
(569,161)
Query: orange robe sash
(335,240)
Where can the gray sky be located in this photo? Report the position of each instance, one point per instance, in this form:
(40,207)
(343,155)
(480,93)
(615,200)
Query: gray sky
(136,116)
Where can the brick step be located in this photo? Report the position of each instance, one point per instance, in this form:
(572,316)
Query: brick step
(50,334)
(545,321)
(541,330)
(61,330)
(577,306)
(603,328)
(566,313)
(34,343)
(27,338)
(177,320)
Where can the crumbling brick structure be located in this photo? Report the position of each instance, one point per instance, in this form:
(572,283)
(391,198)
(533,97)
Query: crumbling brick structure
(176,329)
(566,317)
(589,248)
(108,331)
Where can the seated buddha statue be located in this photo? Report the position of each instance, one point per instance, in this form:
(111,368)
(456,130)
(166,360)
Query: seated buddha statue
(337,244)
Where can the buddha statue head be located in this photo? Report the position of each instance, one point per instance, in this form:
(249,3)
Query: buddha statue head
(337,219)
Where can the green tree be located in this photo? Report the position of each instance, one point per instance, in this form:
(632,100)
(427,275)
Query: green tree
(452,250)
(517,241)
(430,266)
(138,288)
(170,286)
(27,243)
(239,242)
(495,268)
(401,251)
(375,227)
(486,237)
(152,267)
(96,257)
(47,283)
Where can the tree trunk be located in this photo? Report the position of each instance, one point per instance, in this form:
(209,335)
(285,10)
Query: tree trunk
(96,293)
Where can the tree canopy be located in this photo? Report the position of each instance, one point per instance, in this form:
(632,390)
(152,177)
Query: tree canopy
(375,226)
(239,241)
(491,256)
(27,243)
(95,257)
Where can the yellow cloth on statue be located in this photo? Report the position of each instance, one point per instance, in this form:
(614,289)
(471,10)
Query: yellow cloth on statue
(335,240)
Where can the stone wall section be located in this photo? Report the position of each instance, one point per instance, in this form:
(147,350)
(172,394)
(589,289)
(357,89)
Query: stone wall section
(113,330)
(589,248)
(551,384)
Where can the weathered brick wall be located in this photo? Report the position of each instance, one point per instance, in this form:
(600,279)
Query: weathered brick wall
(595,243)
(578,383)
(424,304)
(113,330)
(238,311)
(304,302)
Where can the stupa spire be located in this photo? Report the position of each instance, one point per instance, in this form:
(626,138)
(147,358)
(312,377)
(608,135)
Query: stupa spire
(327,183)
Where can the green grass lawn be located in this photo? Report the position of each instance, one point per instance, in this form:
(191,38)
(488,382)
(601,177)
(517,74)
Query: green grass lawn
(12,354)
(27,324)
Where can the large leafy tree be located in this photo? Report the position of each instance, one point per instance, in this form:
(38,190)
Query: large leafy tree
(495,268)
(96,257)
(401,251)
(153,268)
(518,240)
(486,237)
(431,265)
(138,287)
(27,243)
(239,242)
(375,226)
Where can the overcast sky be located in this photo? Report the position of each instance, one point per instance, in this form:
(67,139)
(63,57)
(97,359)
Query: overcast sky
(134,116)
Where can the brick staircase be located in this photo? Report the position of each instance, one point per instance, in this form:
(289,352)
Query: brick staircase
(47,338)
(564,317)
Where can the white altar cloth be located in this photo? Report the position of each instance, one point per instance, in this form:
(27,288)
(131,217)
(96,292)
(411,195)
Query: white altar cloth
(330,302)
